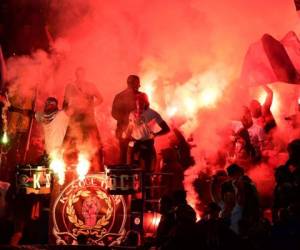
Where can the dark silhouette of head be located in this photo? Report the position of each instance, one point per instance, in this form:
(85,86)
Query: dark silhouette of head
(234,171)
(294,152)
(133,82)
(51,105)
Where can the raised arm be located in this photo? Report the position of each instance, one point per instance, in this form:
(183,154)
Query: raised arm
(269,99)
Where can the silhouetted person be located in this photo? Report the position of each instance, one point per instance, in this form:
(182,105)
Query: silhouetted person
(81,97)
(213,233)
(123,104)
(172,172)
(287,176)
(183,234)
(261,114)
(178,142)
(246,197)
(167,221)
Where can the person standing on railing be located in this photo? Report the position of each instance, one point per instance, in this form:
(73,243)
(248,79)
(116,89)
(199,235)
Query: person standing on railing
(140,132)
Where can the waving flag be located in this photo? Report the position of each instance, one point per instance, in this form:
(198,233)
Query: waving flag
(268,61)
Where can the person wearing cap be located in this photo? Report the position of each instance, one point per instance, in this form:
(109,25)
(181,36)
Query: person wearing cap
(123,103)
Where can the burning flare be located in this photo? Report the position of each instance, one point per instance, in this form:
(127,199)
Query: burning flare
(58,166)
(4,138)
(83,166)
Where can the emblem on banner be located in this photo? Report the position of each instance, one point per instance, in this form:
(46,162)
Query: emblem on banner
(85,208)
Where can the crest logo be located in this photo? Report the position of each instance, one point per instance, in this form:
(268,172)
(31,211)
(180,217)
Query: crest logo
(85,208)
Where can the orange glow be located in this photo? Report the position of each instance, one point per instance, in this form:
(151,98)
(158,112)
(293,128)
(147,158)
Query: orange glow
(57,165)
(83,166)
(171,111)
(208,97)
(190,105)
(148,86)
(151,221)
(148,89)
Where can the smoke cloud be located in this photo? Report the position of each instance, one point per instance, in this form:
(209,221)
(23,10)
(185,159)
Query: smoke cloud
(188,54)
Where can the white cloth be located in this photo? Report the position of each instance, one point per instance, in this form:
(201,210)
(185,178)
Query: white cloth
(143,127)
(54,131)
(257,134)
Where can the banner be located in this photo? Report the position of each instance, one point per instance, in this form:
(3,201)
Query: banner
(268,61)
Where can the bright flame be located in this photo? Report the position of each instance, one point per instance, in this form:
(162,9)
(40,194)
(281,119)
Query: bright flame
(58,166)
(171,110)
(190,105)
(209,97)
(148,89)
(151,221)
(148,85)
(83,166)
(155,220)
(4,138)
(299,100)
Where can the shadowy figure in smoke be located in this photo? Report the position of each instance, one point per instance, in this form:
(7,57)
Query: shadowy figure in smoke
(243,152)
(214,233)
(261,114)
(287,189)
(182,234)
(123,104)
(172,172)
(246,141)
(182,147)
(245,213)
(82,134)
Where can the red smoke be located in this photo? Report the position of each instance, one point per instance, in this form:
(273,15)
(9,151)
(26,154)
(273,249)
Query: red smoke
(187,53)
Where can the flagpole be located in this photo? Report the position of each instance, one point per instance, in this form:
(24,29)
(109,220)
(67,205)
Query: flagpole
(30,126)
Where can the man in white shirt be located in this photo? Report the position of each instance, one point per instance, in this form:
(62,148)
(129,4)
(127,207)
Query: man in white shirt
(54,123)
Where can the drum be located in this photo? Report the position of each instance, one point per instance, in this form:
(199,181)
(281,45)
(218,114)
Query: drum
(31,179)
(123,179)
